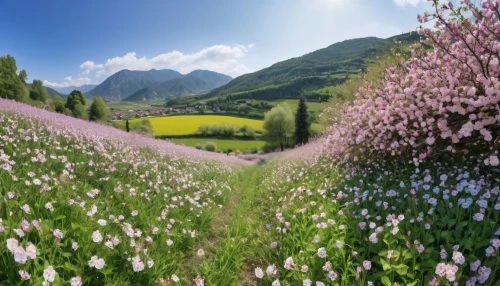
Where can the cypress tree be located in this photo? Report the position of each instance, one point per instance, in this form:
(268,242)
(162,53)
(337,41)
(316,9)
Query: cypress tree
(127,126)
(302,123)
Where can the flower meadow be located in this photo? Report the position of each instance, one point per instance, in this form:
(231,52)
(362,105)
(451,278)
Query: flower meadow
(435,224)
(85,206)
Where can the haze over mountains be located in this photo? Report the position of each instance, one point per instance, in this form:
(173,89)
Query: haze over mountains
(156,84)
(67,90)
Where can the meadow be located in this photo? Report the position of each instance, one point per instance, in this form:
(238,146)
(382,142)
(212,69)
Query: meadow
(245,146)
(188,124)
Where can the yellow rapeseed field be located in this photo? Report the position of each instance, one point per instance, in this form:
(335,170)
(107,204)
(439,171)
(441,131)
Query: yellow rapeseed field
(185,125)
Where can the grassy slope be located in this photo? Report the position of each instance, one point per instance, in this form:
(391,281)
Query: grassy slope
(244,146)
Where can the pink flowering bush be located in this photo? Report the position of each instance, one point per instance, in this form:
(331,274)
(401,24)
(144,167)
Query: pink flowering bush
(441,99)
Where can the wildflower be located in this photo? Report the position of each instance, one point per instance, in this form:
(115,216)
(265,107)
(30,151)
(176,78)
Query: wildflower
(49,274)
(20,255)
(458,257)
(74,245)
(475,265)
(258,273)
(276,283)
(338,244)
(322,252)
(271,270)
(304,268)
(137,264)
(201,252)
(12,244)
(175,278)
(390,254)
(76,281)
(332,275)
(96,236)
(31,251)
(307,282)
(24,275)
(58,234)
(367,264)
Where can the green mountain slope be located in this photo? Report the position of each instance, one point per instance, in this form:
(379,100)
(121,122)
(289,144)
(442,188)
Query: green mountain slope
(324,66)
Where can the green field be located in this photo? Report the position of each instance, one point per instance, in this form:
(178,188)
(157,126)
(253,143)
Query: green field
(188,124)
(293,103)
(244,146)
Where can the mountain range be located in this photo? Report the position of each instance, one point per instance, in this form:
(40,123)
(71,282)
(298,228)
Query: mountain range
(156,84)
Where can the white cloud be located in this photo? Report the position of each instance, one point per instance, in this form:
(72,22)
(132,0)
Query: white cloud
(219,58)
(408,2)
(69,81)
(88,66)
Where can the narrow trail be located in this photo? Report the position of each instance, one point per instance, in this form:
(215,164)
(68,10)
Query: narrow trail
(226,247)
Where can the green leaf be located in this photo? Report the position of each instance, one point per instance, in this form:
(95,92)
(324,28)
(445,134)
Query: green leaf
(401,269)
(386,281)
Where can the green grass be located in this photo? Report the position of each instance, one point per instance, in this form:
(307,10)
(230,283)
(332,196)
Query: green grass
(244,146)
(293,103)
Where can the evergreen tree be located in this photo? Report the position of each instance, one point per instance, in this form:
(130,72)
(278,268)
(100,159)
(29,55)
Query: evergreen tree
(127,126)
(98,109)
(302,123)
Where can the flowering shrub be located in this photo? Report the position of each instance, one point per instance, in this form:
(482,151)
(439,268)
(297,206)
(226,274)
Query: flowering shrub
(440,99)
(82,203)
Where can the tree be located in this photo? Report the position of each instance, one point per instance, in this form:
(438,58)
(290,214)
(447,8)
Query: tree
(58,103)
(279,124)
(74,98)
(98,109)
(302,123)
(12,85)
(38,91)
(127,126)
(79,111)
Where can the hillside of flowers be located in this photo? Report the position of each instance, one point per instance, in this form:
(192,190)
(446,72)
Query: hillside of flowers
(84,203)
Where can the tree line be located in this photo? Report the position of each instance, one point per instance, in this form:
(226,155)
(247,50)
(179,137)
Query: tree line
(13,86)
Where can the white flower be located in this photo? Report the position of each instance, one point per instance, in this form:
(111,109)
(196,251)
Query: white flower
(99,263)
(322,252)
(12,244)
(259,273)
(31,251)
(102,222)
(49,274)
(175,278)
(76,281)
(96,236)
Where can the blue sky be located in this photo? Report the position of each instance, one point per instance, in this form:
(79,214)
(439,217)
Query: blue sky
(76,42)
